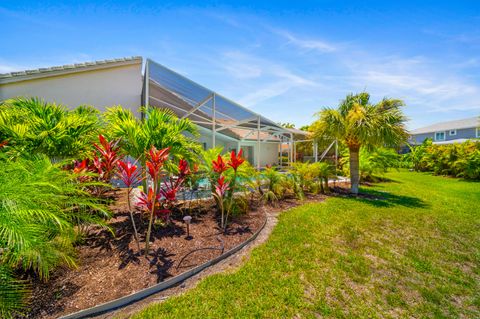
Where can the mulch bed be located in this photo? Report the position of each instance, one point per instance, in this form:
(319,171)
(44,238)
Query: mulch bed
(110,266)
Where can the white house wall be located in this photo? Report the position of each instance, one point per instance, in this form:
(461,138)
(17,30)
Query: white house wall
(268,152)
(119,85)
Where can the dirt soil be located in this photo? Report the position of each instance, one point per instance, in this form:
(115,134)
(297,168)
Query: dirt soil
(227,265)
(110,266)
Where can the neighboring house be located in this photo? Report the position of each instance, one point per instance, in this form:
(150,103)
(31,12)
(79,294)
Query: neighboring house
(448,132)
(221,122)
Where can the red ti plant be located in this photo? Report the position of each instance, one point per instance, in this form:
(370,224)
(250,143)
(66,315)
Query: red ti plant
(155,161)
(130,175)
(170,188)
(106,163)
(224,191)
(3,144)
(236,160)
(220,189)
(219,165)
(81,169)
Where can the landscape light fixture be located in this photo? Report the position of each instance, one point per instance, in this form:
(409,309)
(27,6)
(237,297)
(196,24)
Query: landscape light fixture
(187,219)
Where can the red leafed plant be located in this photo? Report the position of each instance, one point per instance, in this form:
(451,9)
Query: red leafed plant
(221,186)
(220,189)
(80,168)
(106,161)
(130,175)
(3,144)
(160,196)
(219,165)
(155,161)
(224,190)
(148,200)
(236,160)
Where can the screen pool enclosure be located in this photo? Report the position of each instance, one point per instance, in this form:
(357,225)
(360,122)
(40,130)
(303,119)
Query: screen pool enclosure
(168,89)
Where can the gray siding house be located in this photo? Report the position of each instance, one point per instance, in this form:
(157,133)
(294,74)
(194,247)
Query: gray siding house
(448,132)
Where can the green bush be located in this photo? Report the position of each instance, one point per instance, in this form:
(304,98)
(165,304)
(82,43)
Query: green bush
(40,207)
(458,159)
(32,126)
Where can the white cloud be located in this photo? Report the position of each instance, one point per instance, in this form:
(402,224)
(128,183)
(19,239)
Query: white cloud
(421,82)
(306,44)
(6,67)
(258,78)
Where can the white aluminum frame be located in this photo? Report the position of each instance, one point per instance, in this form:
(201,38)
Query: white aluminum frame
(277,134)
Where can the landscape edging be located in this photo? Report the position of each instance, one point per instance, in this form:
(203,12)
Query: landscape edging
(141,294)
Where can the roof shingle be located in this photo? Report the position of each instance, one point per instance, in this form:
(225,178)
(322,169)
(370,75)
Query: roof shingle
(12,76)
(450,125)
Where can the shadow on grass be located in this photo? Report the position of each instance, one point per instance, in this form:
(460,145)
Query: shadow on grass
(384,199)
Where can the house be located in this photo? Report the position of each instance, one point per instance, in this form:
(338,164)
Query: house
(448,132)
(131,83)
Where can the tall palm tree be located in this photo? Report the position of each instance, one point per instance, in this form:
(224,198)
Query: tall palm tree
(160,128)
(359,123)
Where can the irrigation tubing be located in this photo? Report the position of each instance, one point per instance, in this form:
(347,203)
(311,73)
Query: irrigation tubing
(222,248)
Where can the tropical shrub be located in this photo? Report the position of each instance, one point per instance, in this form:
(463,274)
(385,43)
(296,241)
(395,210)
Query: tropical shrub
(312,177)
(40,207)
(303,173)
(275,186)
(373,164)
(323,172)
(245,177)
(32,126)
(458,159)
(160,128)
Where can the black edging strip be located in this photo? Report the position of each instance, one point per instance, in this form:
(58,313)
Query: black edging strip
(139,295)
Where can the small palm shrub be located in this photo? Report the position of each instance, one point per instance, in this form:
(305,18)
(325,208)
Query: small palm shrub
(275,186)
(311,177)
(40,207)
(322,171)
(304,175)
(160,128)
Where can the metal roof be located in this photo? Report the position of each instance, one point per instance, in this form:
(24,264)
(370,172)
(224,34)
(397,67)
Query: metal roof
(65,69)
(471,122)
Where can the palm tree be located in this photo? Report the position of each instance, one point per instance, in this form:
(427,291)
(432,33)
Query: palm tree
(33,126)
(359,123)
(160,128)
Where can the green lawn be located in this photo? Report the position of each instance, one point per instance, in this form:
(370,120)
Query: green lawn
(414,255)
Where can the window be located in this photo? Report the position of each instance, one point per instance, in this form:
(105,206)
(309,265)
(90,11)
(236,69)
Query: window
(452,132)
(439,136)
(478,132)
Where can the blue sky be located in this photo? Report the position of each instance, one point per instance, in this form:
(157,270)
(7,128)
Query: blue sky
(283,59)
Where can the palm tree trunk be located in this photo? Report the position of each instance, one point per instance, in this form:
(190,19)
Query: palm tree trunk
(354,169)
